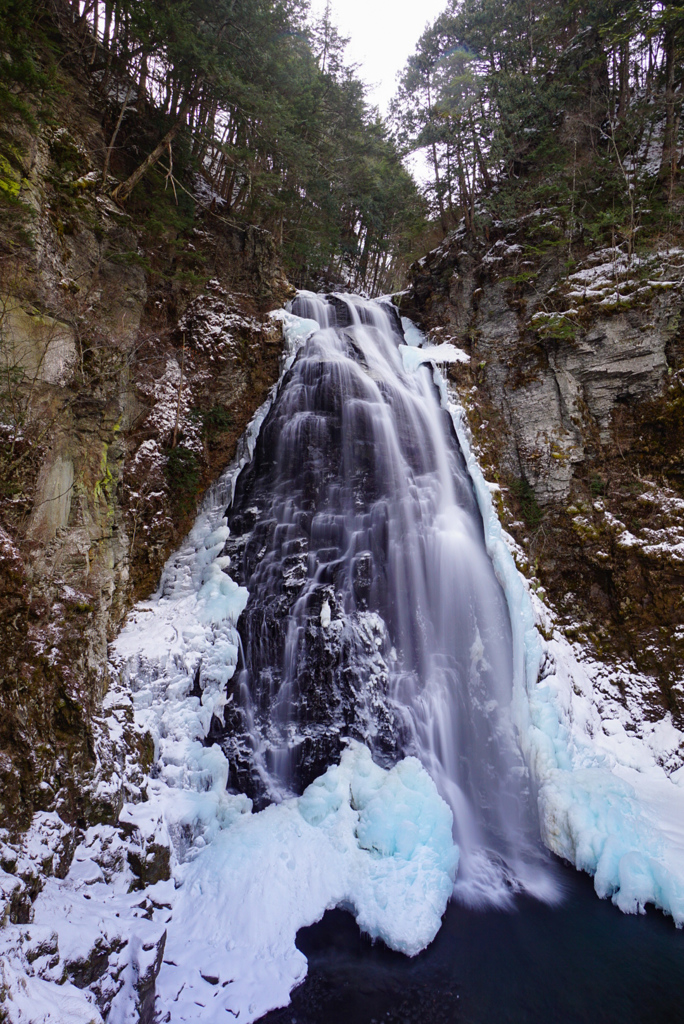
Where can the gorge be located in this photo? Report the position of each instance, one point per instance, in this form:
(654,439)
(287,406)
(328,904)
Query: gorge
(342,632)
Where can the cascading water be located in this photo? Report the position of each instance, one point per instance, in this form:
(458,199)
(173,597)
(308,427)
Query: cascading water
(371,619)
(374,611)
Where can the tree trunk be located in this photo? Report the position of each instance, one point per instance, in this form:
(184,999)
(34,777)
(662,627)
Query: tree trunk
(107,25)
(105,172)
(83,20)
(96,27)
(623,99)
(465,198)
(174,440)
(142,85)
(435,164)
(669,141)
(122,191)
(478,153)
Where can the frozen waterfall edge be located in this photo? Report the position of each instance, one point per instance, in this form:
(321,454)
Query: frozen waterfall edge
(360,836)
(605,803)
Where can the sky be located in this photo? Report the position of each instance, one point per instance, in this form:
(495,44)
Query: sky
(383,34)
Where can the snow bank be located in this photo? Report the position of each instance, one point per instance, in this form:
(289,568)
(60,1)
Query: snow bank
(378,842)
(34,1001)
(606,802)
(446,353)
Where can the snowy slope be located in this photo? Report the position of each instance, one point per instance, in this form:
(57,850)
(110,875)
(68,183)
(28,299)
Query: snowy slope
(611,801)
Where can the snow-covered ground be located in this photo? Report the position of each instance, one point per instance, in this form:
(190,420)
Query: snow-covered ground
(611,278)
(611,799)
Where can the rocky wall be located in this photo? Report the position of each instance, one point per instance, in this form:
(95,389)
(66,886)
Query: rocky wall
(128,372)
(575,394)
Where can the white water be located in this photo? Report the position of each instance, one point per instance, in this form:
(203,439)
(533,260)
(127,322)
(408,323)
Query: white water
(284,865)
(450,665)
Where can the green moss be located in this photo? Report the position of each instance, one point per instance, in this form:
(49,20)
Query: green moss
(554,326)
(10,179)
(105,484)
(81,608)
(216,420)
(527,501)
(65,152)
(584,528)
(521,279)
(128,259)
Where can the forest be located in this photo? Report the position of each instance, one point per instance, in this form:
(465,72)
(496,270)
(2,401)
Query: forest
(528,103)
(242,102)
(250,107)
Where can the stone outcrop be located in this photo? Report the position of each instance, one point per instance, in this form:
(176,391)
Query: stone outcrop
(127,377)
(575,394)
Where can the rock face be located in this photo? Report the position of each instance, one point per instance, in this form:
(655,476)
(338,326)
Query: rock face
(127,378)
(575,393)
(316,651)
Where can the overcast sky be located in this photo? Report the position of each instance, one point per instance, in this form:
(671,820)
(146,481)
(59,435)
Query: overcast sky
(383,33)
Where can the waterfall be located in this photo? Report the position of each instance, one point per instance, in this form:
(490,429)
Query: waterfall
(337,670)
(374,611)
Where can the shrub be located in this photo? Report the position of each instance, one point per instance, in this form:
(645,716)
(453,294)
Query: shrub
(183,475)
(529,506)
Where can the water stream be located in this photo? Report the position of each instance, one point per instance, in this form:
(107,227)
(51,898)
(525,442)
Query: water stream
(582,962)
(374,610)
(340,669)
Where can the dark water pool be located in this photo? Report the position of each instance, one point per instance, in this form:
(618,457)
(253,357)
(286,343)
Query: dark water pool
(583,962)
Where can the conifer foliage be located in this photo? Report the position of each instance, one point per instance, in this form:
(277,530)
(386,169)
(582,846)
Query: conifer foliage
(255,112)
(497,93)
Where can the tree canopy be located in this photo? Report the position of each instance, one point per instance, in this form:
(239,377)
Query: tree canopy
(498,91)
(256,100)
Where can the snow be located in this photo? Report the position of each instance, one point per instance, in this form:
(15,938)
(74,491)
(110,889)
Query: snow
(35,1001)
(412,335)
(446,353)
(91,912)
(666,541)
(610,277)
(77,921)
(501,250)
(214,324)
(205,194)
(173,402)
(376,841)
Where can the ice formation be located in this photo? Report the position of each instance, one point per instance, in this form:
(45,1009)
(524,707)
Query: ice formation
(376,841)
(445,353)
(606,804)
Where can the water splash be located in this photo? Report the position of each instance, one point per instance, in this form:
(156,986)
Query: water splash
(374,610)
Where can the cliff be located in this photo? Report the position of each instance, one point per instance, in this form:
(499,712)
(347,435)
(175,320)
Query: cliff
(575,395)
(134,348)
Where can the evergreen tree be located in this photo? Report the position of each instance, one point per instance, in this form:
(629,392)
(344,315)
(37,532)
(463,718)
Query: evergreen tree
(499,91)
(260,103)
